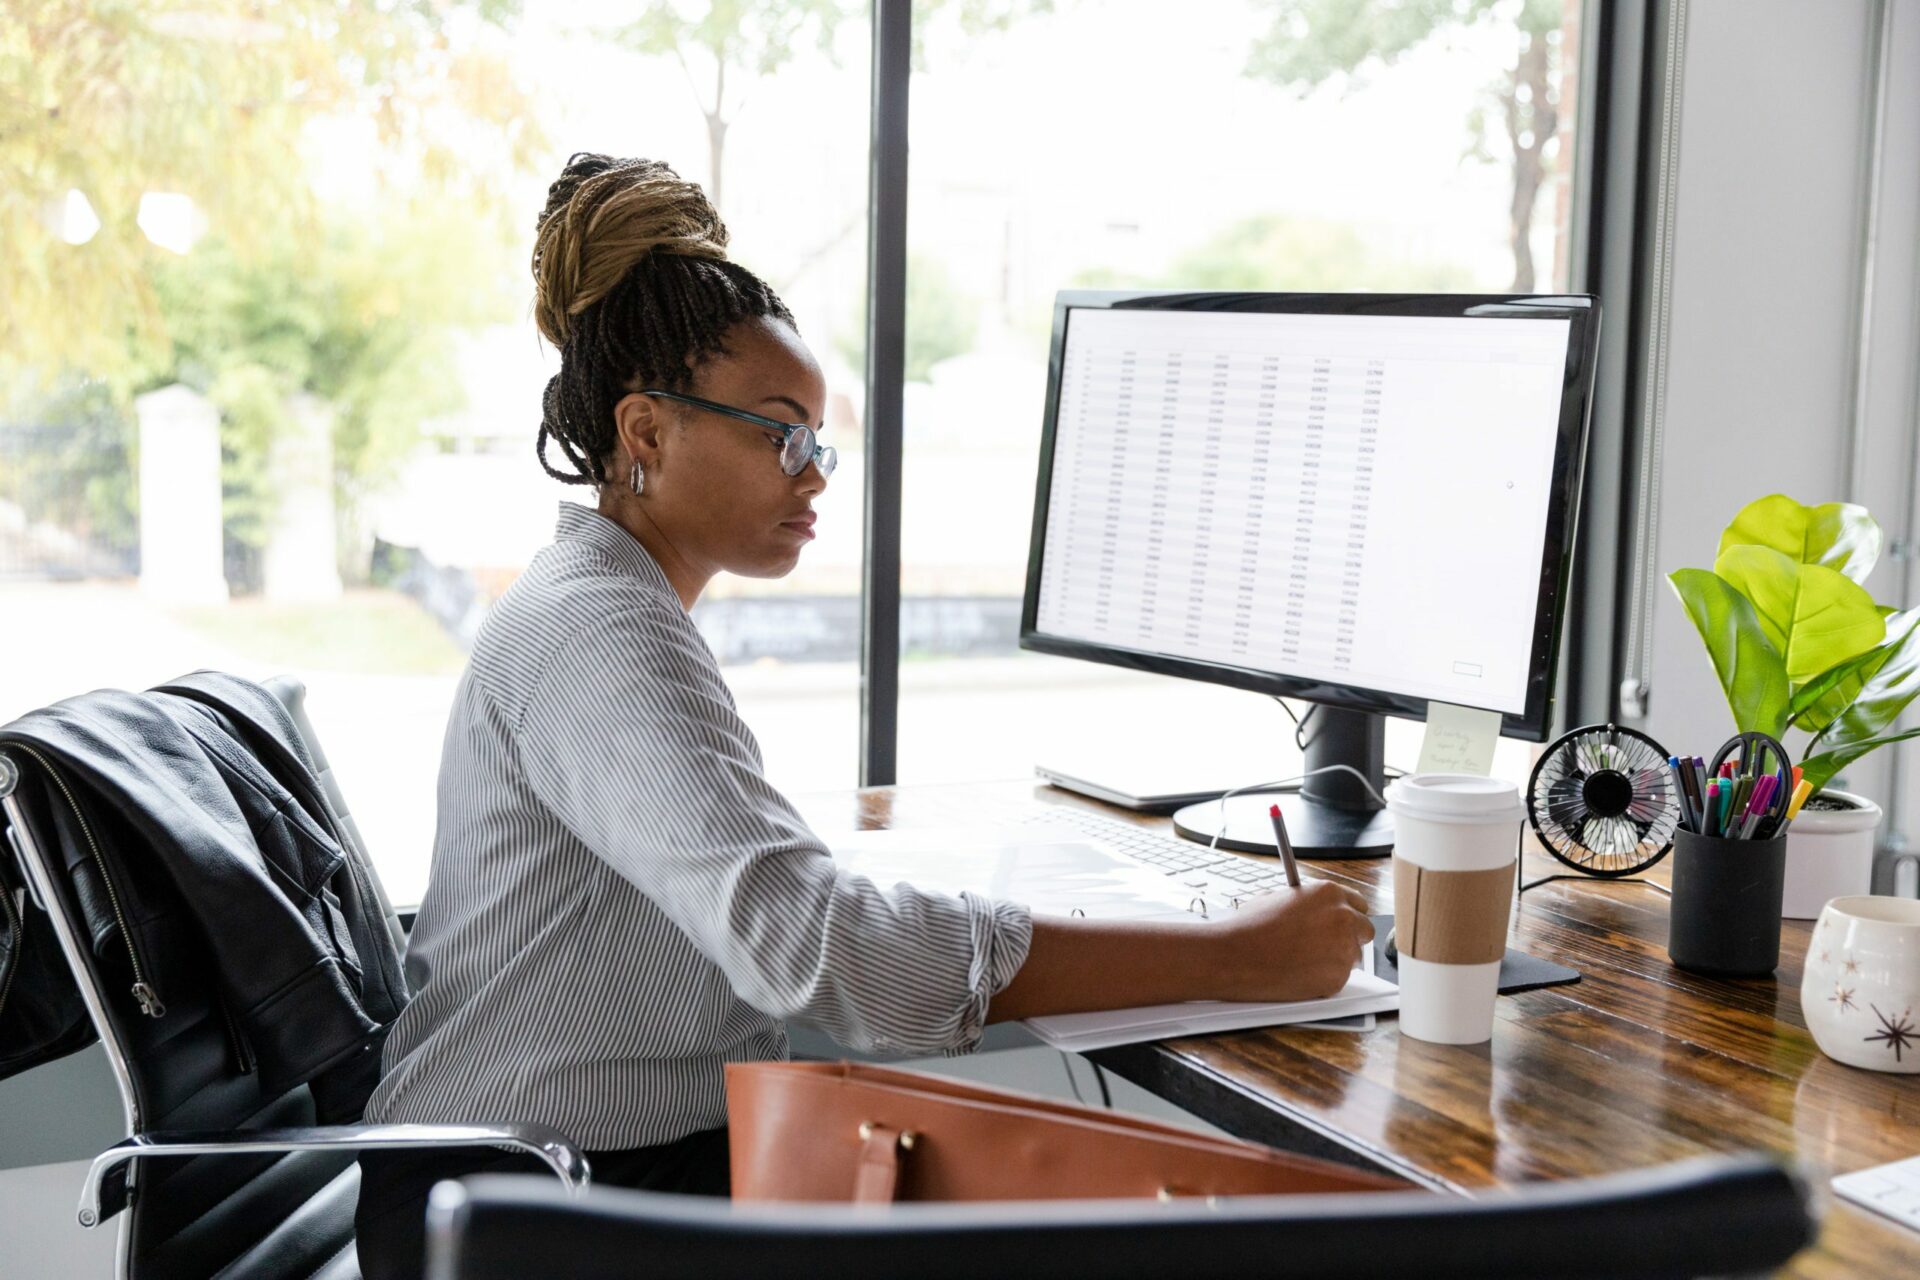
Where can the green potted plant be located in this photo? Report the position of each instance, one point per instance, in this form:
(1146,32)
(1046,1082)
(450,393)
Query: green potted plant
(1800,647)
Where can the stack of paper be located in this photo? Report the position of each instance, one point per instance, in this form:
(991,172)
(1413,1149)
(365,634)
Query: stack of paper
(1083,1032)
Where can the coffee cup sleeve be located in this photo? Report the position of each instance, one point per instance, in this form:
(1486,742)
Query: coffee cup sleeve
(1451,917)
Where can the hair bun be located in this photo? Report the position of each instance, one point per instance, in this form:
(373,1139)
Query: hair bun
(604,215)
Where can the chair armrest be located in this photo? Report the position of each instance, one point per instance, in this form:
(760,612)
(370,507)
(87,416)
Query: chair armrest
(105,1191)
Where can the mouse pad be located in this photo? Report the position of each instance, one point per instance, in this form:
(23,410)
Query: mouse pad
(1518,970)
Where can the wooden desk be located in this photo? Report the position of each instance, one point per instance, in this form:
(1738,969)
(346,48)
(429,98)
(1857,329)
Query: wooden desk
(1636,1064)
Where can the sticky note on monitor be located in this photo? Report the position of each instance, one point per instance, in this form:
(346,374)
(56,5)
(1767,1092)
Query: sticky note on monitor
(1459,740)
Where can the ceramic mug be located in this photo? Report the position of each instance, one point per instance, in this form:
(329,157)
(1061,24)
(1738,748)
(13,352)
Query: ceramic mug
(1861,992)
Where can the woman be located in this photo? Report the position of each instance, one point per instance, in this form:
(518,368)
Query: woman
(619,901)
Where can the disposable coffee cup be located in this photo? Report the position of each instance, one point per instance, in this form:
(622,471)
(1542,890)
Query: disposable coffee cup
(1457,839)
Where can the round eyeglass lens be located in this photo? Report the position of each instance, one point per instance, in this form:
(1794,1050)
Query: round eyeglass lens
(799,451)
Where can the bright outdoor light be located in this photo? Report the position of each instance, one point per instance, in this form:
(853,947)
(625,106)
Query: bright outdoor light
(171,220)
(78,221)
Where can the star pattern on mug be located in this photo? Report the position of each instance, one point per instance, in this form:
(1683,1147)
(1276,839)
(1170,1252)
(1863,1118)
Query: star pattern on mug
(1842,996)
(1850,965)
(1825,955)
(1898,1035)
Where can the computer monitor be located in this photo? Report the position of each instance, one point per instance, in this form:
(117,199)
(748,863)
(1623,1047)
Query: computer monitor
(1363,500)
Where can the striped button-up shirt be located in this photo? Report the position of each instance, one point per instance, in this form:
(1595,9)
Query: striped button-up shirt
(620,902)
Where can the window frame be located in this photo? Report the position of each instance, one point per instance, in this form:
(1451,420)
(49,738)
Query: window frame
(1616,76)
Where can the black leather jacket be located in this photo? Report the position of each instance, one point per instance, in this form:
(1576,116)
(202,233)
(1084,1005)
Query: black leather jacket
(196,836)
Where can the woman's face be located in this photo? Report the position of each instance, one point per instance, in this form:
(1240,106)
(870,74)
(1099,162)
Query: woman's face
(714,488)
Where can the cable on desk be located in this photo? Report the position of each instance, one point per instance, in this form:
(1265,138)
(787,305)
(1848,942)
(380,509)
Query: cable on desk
(1299,721)
(1586,879)
(1282,785)
(1072,1082)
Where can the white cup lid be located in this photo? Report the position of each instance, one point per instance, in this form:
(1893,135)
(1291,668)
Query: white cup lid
(1456,797)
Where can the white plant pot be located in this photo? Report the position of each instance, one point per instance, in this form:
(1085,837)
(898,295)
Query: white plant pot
(1829,855)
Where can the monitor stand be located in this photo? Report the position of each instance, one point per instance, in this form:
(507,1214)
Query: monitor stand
(1332,815)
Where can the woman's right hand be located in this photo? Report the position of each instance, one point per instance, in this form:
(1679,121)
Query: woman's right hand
(1293,944)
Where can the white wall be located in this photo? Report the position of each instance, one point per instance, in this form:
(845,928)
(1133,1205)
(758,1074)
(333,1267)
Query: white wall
(1890,467)
(40,1237)
(52,1120)
(1764,308)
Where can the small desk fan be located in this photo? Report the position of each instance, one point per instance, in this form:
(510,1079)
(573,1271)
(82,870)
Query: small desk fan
(1603,802)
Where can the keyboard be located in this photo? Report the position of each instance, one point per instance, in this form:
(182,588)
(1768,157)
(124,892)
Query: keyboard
(1892,1190)
(1216,873)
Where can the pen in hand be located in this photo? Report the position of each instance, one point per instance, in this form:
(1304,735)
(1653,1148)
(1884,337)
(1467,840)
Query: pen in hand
(1286,846)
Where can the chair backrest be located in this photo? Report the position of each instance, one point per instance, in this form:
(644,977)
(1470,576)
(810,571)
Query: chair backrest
(1719,1215)
(280,1214)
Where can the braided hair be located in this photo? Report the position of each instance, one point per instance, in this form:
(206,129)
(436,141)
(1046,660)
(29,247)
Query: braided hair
(633,285)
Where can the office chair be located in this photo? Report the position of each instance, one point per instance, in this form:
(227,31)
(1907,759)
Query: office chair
(218,1177)
(1712,1216)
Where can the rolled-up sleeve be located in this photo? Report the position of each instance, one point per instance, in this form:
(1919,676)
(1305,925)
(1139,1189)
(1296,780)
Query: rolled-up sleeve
(635,744)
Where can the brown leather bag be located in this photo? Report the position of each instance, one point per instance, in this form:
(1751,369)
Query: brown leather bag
(844,1131)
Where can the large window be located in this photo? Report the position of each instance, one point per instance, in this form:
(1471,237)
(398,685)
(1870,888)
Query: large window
(270,384)
(1253,144)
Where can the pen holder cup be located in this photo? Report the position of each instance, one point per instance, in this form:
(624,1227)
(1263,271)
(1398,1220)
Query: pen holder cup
(1725,916)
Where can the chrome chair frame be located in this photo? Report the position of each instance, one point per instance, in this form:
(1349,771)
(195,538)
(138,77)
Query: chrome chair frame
(111,1178)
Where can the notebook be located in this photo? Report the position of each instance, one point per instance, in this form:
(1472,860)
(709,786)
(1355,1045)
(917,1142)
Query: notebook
(1084,1032)
(1072,877)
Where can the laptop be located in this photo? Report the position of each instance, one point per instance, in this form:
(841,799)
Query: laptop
(1144,789)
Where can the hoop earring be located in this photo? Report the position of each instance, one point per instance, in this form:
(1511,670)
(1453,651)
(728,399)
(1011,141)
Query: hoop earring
(637,481)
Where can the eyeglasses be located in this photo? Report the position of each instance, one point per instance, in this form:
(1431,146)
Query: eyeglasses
(798,443)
